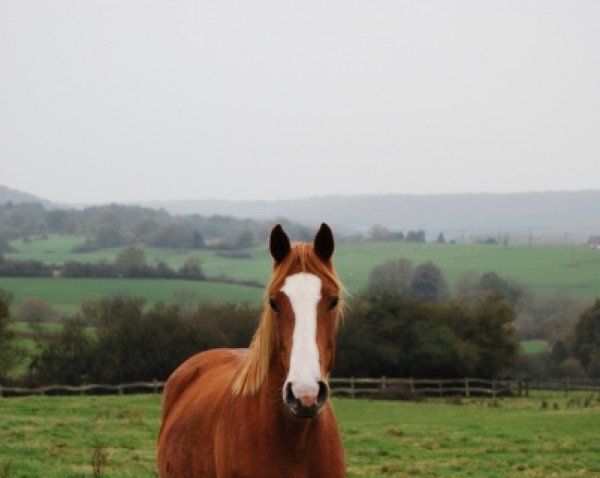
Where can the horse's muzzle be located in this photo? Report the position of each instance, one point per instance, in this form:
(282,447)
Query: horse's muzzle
(308,406)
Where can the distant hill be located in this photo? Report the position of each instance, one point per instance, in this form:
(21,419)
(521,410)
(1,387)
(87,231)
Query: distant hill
(554,217)
(17,197)
(545,217)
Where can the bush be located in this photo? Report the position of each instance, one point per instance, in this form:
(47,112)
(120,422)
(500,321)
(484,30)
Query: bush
(398,337)
(35,311)
(132,344)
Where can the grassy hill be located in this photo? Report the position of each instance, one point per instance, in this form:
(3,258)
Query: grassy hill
(574,270)
(65,294)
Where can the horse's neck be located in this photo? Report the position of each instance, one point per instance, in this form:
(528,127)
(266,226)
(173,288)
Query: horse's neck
(285,442)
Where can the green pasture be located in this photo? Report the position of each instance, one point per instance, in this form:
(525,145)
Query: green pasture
(541,436)
(534,346)
(66,294)
(57,250)
(574,270)
(545,269)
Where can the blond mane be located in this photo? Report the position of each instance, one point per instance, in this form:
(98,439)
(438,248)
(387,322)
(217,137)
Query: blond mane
(255,366)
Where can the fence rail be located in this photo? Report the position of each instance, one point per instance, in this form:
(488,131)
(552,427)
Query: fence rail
(391,387)
(91,389)
(351,387)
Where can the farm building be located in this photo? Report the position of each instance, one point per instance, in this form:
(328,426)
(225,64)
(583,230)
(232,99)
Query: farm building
(594,242)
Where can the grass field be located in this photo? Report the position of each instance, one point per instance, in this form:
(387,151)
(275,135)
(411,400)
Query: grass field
(66,294)
(57,436)
(534,346)
(574,270)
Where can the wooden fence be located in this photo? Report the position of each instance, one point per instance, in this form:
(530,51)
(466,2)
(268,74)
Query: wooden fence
(567,385)
(91,389)
(353,387)
(412,387)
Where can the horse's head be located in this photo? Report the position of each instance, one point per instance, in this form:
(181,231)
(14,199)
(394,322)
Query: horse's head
(304,296)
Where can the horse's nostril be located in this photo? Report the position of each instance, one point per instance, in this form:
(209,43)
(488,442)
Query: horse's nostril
(323,394)
(290,399)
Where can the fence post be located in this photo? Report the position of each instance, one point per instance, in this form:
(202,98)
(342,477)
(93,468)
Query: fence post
(383,383)
(352,386)
(155,386)
(494,388)
(412,385)
(440,388)
(467,391)
(120,390)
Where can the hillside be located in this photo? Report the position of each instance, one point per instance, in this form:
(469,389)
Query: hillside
(16,197)
(535,217)
(550,217)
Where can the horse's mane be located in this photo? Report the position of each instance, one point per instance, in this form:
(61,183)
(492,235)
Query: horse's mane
(255,366)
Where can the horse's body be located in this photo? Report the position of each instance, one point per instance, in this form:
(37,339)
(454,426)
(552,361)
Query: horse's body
(235,413)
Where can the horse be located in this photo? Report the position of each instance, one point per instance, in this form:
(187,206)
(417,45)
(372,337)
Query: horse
(264,411)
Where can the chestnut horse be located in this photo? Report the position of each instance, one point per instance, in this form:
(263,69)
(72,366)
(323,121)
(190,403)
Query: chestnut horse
(264,411)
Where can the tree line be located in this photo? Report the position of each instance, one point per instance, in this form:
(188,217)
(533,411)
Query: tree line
(129,263)
(554,319)
(119,225)
(119,339)
(405,323)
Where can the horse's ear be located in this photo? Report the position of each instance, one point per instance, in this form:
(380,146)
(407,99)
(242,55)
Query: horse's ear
(279,244)
(324,243)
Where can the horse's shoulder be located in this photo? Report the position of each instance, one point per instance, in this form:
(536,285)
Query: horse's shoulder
(188,373)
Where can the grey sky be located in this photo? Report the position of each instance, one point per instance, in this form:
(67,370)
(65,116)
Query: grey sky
(125,100)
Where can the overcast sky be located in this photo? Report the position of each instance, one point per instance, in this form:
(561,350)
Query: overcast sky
(136,100)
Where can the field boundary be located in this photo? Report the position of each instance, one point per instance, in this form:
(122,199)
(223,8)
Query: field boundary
(382,387)
(385,387)
(90,389)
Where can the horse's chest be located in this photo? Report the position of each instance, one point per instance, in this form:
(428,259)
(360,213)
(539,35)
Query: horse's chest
(262,455)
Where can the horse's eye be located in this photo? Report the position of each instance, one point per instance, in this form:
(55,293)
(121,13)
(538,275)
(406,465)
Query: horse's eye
(274,306)
(333,303)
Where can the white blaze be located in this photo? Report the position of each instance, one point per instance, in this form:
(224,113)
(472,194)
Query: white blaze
(304,293)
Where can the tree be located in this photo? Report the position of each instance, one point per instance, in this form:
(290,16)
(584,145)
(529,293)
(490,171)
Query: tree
(61,221)
(192,269)
(586,346)
(380,233)
(494,335)
(144,228)
(4,243)
(35,311)
(559,353)
(397,336)
(10,353)
(107,235)
(65,358)
(197,240)
(428,283)
(465,286)
(390,278)
(131,262)
(244,240)
(172,235)
(415,236)
(492,282)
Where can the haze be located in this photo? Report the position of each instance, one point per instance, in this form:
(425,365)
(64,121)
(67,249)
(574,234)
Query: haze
(106,101)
